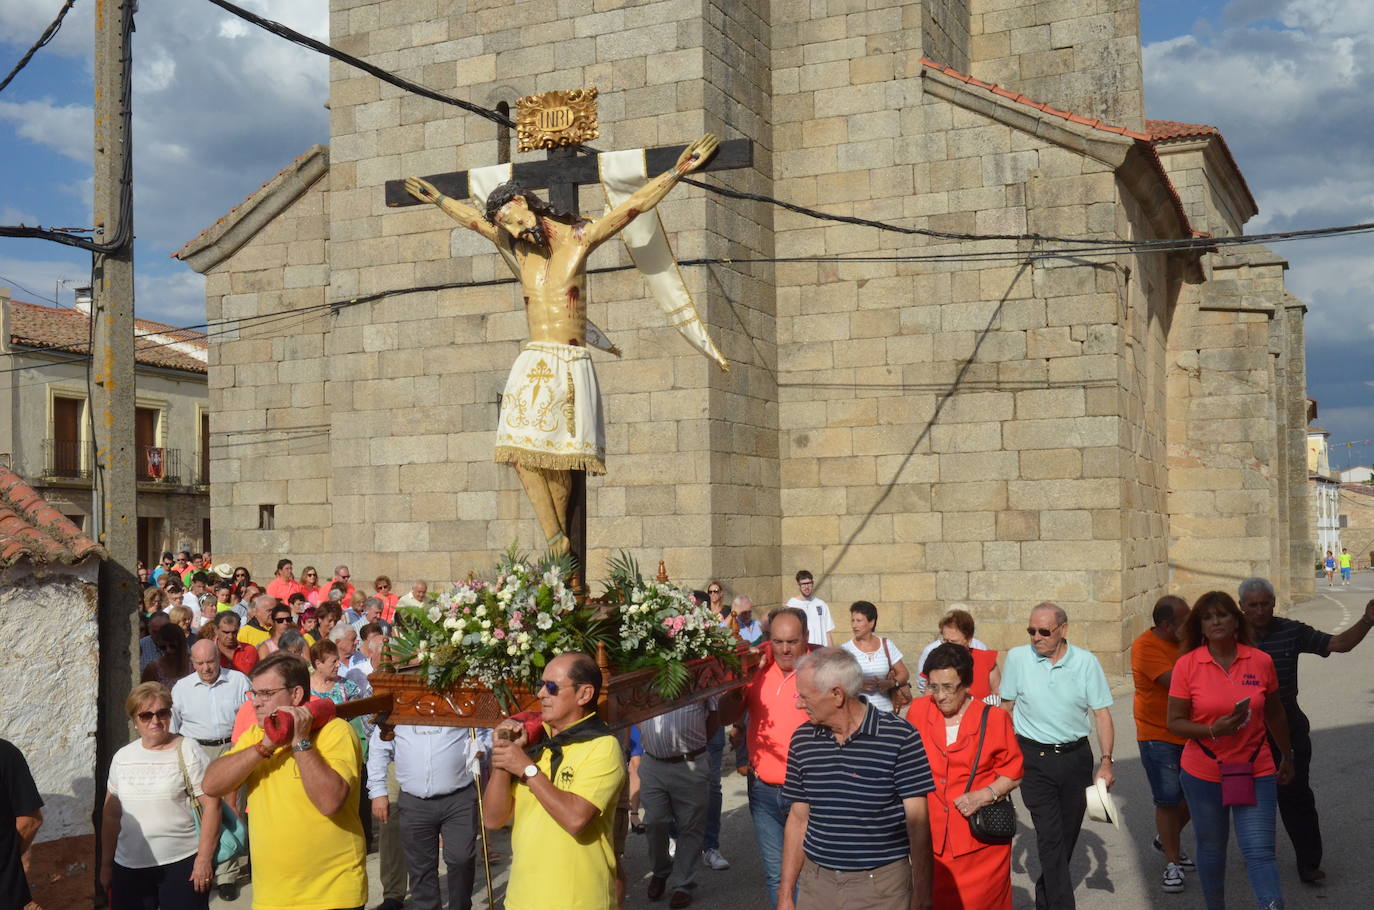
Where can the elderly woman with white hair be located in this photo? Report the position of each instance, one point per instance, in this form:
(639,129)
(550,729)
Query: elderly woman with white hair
(858,830)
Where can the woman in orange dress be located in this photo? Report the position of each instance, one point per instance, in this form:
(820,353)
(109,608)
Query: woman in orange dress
(969,874)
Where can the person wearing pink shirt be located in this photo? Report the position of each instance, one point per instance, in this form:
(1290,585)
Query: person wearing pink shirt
(1223,699)
(285,584)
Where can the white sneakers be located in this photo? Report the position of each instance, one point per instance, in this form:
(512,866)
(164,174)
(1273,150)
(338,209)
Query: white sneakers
(713,860)
(1173,878)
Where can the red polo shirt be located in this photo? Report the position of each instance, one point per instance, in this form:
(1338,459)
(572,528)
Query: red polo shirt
(244,659)
(773,718)
(1212,693)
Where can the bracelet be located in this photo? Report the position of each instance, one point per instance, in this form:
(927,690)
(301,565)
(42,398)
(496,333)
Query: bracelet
(263,750)
(995,795)
(1108,758)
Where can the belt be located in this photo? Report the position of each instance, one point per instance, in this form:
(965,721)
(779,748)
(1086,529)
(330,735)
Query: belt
(677,759)
(442,795)
(213,742)
(1056,748)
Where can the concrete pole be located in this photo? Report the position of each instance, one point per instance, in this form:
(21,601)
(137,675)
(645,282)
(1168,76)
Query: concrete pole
(112,388)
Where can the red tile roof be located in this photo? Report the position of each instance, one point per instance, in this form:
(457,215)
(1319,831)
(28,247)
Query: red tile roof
(61,329)
(1177,131)
(32,529)
(1142,138)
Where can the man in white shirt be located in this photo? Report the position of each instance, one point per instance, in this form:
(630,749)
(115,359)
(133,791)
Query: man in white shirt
(203,708)
(191,599)
(435,769)
(416,596)
(819,622)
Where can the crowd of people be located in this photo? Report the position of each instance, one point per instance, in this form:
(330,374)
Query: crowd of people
(870,783)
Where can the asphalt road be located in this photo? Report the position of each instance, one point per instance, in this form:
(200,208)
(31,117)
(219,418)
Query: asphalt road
(1118,869)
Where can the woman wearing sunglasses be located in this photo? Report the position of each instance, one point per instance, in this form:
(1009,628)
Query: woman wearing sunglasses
(1223,697)
(151,855)
(281,621)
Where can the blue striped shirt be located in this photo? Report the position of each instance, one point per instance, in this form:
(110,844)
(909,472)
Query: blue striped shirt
(855,790)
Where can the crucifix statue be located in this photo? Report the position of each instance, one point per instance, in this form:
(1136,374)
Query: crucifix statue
(550,426)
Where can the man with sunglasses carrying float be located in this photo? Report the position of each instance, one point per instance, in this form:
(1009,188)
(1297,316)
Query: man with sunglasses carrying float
(560,794)
(305,837)
(1060,694)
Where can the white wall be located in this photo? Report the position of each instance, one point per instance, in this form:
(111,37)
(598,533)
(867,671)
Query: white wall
(49,679)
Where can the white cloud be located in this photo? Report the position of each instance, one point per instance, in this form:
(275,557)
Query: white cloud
(64,128)
(177,298)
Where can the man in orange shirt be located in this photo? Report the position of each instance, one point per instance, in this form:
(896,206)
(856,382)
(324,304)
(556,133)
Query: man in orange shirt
(771,702)
(1153,656)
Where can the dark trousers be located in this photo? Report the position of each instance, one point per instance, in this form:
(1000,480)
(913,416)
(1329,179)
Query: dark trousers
(1054,790)
(1297,802)
(156,888)
(423,822)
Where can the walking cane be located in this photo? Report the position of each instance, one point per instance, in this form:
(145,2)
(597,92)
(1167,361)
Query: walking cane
(482,829)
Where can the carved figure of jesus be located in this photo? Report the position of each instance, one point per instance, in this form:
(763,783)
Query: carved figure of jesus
(551,421)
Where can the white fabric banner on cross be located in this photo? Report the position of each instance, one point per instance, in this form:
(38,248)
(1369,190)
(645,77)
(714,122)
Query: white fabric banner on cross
(481,181)
(621,174)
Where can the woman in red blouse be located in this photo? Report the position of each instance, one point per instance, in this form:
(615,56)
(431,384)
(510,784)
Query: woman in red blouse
(968,872)
(1223,696)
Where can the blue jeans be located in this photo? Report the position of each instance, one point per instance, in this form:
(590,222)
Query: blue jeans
(769,811)
(1161,763)
(715,750)
(1254,835)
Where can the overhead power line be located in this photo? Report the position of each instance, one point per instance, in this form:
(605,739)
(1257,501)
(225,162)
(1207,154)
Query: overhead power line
(48,34)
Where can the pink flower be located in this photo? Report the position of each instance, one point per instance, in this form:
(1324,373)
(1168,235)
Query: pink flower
(467,610)
(499,634)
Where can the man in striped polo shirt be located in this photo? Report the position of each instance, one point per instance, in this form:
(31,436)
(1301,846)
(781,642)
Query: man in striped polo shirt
(857,832)
(1284,639)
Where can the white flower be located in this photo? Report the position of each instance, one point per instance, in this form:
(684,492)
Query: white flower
(480,611)
(453,622)
(457,638)
(434,613)
(467,596)
(523,638)
(637,596)
(551,578)
(486,624)
(544,621)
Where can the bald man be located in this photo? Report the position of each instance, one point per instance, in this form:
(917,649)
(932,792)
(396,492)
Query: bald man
(203,708)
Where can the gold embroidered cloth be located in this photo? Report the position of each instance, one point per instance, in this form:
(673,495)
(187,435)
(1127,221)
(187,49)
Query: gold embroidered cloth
(551,411)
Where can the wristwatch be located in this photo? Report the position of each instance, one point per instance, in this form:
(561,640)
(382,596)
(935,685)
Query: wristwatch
(529,772)
(304,745)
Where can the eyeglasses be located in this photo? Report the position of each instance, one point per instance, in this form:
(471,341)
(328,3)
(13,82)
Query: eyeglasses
(160,714)
(281,619)
(549,684)
(944,688)
(258,694)
(383,587)
(1033,632)
(310,574)
(713,590)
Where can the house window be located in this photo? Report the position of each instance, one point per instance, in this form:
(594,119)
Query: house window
(150,459)
(204,452)
(1343,521)
(65,458)
(267,519)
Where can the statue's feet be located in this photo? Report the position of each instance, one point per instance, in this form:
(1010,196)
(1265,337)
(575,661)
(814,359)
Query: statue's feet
(559,545)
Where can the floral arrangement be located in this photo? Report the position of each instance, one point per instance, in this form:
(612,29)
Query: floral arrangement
(662,626)
(498,633)
(501,633)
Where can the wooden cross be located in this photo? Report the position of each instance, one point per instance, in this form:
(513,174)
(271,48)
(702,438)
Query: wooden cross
(561,173)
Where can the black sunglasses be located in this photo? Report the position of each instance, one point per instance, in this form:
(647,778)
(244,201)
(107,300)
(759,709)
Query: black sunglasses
(1032,631)
(160,714)
(281,619)
(548,684)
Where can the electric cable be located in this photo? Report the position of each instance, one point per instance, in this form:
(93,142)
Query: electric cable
(48,34)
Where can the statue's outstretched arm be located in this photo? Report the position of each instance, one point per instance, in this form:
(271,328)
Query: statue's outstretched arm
(465,215)
(651,194)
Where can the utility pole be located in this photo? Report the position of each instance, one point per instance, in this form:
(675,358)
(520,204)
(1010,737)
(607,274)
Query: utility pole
(112,386)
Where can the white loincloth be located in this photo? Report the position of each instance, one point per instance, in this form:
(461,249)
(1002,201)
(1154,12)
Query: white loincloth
(551,411)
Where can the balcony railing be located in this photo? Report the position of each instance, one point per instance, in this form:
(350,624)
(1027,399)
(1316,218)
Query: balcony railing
(157,464)
(67,459)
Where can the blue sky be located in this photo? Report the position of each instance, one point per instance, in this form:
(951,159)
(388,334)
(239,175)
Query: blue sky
(220,107)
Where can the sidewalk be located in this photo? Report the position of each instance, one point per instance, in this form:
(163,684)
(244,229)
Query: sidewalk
(1116,869)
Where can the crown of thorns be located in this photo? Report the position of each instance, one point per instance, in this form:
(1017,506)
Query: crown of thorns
(511,190)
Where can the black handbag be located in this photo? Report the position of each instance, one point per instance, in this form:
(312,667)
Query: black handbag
(995,823)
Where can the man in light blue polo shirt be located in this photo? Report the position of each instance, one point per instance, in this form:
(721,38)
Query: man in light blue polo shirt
(1060,694)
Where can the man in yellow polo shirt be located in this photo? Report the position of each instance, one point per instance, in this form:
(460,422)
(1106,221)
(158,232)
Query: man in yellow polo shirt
(258,628)
(304,833)
(561,794)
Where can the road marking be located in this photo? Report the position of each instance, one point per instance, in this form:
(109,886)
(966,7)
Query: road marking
(1345,611)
